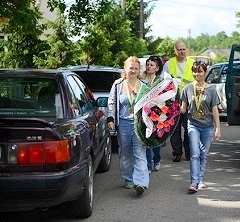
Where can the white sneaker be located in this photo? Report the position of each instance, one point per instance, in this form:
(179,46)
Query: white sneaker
(149,172)
(157,166)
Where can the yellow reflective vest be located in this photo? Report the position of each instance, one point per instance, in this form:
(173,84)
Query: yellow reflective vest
(187,76)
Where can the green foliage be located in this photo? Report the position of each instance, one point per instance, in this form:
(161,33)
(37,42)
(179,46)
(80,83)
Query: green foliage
(152,45)
(220,58)
(166,46)
(21,50)
(107,35)
(59,51)
(16,10)
(23,37)
(85,12)
(110,40)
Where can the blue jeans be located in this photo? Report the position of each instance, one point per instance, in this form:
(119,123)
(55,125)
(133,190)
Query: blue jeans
(132,155)
(156,156)
(200,139)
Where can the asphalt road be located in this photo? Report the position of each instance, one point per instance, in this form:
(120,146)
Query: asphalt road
(167,199)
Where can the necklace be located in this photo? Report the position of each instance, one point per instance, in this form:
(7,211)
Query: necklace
(133,89)
(131,94)
(150,79)
(198,98)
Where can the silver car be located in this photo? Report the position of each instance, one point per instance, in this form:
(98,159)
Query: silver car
(217,75)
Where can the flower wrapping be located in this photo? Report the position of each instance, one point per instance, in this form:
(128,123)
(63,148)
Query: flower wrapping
(157,112)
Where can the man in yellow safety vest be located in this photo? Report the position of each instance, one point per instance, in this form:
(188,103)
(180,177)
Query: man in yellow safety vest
(180,67)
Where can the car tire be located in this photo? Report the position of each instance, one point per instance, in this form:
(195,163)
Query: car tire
(83,206)
(105,162)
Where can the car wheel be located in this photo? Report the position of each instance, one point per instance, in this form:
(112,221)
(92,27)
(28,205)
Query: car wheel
(83,206)
(105,163)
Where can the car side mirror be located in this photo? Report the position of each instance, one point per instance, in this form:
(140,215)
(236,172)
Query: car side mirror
(102,101)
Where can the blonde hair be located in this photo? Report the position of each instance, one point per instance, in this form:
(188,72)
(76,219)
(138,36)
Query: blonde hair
(128,60)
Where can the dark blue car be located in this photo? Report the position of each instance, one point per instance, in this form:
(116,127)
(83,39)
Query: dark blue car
(53,137)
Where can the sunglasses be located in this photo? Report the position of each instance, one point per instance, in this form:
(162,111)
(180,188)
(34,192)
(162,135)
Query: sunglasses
(199,63)
(154,58)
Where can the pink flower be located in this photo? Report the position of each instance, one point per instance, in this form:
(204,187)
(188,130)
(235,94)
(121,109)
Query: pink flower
(163,115)
(147,109)
(160,133)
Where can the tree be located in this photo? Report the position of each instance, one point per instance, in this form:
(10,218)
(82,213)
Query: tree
(81,12)
(132,13)
(60,49)
(23,38)
(18,11)
(166,46)
(110,40)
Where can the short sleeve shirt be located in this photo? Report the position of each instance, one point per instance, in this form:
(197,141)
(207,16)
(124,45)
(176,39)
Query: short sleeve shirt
(201,117)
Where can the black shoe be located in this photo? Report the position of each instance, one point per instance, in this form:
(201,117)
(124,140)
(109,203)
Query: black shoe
(139,190)
(177,158)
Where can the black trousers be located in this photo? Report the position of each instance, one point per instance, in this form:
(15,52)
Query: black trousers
(176,139)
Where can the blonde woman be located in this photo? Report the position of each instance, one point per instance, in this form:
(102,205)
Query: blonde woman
(122,98)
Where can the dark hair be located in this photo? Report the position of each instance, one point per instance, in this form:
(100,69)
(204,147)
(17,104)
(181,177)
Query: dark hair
(197,64)
(158,61)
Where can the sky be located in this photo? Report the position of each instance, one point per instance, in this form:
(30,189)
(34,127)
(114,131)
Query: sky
(185,18)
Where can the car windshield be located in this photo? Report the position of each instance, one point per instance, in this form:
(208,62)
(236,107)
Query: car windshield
(29,97)
(98,81)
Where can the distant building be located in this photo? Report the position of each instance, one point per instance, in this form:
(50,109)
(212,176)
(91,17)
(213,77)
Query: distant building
(214,51)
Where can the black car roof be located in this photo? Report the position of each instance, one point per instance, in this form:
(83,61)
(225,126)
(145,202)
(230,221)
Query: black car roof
(92,68)
(33,72)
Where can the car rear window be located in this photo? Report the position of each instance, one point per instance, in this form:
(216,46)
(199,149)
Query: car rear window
(98,81)
(29,97)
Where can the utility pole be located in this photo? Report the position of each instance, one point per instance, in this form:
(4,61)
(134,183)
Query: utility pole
(123,7)
(189,41)
(141,20)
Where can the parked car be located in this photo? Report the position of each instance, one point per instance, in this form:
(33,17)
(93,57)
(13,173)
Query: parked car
(100,80)
(217,75)
(53,138)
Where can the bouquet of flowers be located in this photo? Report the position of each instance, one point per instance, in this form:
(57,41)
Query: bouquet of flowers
(157,112)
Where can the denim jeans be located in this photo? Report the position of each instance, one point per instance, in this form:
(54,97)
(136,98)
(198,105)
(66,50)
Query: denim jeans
(132,155)
(156,156)
(200,139)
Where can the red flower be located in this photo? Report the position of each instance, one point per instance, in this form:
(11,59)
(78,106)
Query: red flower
(154,116)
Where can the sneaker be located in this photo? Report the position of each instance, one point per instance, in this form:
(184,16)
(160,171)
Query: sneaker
(177,158)
(157,166)
(128,185)
(202,185)
(149,172)
(139,190)
(193,188)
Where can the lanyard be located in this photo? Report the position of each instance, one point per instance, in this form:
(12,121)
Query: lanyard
(151,80)
(131,95)
(198,99)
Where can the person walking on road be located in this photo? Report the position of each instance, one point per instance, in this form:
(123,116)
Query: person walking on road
(180,67)
(153,72)
(132,154)
(200,101)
